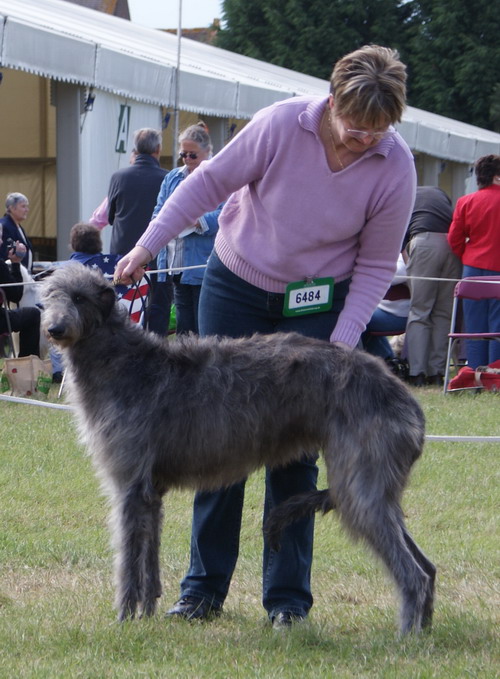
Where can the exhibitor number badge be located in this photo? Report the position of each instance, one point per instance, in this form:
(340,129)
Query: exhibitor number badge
(308,297)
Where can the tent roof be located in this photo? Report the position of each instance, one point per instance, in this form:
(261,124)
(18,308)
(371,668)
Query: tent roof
(64,41)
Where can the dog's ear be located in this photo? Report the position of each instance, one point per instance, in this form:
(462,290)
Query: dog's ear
(107,299)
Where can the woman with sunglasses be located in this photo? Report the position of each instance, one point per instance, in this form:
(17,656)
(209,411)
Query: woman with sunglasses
(193,246)
(319,192)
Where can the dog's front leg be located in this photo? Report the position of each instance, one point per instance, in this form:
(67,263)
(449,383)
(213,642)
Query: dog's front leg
(131,530)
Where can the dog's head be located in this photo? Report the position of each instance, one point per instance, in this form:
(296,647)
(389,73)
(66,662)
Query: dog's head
(76,300)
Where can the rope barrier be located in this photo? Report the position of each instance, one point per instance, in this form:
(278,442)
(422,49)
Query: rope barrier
(203,266)
(34,402)
(178,269)
(469,439)
(429,437)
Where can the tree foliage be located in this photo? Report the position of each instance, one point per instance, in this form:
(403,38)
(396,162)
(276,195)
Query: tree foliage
(451,47)
(306,35)
(454,50)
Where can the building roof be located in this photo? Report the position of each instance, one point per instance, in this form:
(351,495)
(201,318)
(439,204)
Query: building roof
(67,42)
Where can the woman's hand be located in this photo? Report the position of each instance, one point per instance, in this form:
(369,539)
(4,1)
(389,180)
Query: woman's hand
(343,345)
(130,268)
(17,253)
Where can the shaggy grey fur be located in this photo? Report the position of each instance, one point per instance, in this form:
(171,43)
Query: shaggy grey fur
(205,413)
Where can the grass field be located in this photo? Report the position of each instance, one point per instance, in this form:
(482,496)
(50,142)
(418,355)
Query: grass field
(56,616)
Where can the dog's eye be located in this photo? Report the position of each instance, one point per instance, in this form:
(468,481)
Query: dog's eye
(78,299)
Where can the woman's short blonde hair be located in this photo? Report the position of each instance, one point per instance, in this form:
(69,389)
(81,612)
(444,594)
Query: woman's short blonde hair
(369,86)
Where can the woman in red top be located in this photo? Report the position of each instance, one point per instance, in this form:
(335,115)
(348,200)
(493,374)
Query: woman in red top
(474,236)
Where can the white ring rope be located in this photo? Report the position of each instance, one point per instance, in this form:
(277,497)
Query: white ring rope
(203,266)
(429,437)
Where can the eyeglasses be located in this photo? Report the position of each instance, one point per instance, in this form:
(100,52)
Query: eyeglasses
(361,135)
(188,154)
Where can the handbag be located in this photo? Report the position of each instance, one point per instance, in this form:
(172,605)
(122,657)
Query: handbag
(482,377)
(26,375)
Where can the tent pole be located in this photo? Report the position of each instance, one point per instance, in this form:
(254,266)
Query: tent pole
(177,84)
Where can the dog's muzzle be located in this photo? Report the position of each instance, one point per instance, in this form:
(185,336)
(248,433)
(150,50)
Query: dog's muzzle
(57,331)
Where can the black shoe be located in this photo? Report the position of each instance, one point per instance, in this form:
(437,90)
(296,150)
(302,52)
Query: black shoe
(418,380)
(399,367)
(57,377)
(193,608)
(285,619)
(436,379)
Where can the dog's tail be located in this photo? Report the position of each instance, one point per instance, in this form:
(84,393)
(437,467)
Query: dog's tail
(293,509)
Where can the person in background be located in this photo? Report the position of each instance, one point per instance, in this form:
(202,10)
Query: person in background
(389,315)
(25,321)
(429,256)
(319,191)
(99,217)
(194,245)
(86,243)
(131,199)
(132,191)
(474,237)
(17,208)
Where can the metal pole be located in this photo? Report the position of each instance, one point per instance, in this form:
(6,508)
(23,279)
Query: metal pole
(177,85)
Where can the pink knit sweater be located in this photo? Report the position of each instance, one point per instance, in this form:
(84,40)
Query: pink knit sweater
(288,216)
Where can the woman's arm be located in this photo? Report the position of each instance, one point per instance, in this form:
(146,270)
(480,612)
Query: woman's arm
(99,217)
(202,192)
(380,243)
(458,233)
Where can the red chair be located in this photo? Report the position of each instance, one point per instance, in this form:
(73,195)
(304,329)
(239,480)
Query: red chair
(474,288)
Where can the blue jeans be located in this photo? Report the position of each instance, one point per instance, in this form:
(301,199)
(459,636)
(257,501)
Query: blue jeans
(231,307)
(186,300)
(382,321)
(481,316)
(161,301)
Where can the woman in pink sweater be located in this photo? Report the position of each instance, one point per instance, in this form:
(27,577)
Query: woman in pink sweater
(319,192)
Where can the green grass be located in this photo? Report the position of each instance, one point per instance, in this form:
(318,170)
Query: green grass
(56,616)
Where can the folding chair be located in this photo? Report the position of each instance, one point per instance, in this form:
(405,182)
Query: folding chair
(6,339)
(474,288)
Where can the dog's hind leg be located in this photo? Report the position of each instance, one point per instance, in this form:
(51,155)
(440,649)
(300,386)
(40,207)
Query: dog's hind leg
(381,528)
(430,569)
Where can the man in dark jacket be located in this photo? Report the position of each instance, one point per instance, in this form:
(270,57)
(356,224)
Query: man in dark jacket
(133,190)
(131,199)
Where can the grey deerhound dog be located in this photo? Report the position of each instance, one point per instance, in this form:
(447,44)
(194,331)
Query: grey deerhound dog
(205,413)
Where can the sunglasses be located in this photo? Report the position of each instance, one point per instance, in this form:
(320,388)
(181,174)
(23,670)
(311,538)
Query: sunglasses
(188,154)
